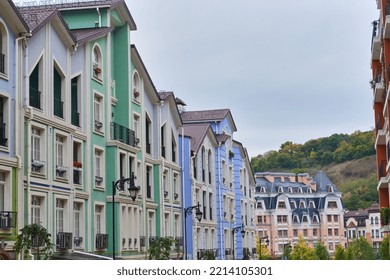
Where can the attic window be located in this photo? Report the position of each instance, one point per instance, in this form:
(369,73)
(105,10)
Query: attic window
(311,204)
(293,204)
(259,205)
(280,189)
(301,204)
(305,219)
(97,63)
(330,189)
(309,190)
(136,87)
(282,205)
(315,219)
(295,219)
(262,190)
(290,190)
(332,204)
(300,190)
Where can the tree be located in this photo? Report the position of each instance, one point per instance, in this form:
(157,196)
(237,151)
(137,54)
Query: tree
(321,252)
(360,249)
(34,236)
(302,251)
(339,253)
(384,248)
(262,251)
(161,248)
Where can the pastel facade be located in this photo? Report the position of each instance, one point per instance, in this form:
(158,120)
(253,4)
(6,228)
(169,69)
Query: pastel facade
(13,33)
(380,60)
(290,205)
(228,192)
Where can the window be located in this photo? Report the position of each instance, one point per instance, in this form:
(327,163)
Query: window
(58,79)
(136,127)
(148,136)
(290,190)
(372,220)
(282,205)
(262,190)
(376,220)
(149,182)
(36,210)
(136,87)
(176,189)
(77,163)
(99,168)
(315,219)
(295,231)
(295,219)
(305,219)
(37,156)
(330,232)
(335,218)
(259,219)
(336,231)
(60,157)
(282,218)
(75,101)
(282,233)
(280,189)
(293,204)
(163,149)
(330,189)
(329,217)
(209,165)
(98,113)
(60,210)
(314,232)
(305,232)
(36,81)
(311,204)
(332,204)
(301,204)
(99,223)
(174,148)
(78,223)
(3,120)
(2,191)
(3,50)
(330,244)
(97,63)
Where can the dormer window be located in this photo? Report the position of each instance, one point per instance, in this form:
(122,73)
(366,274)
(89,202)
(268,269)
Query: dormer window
(282,205)
(259,205)
(311,204)
(305,219)
(295,219)
(290,190)
(301,204)
(280,189)
(3,50)
(300,190)
(293,204)
(330,189)
(262,189)
(315,219)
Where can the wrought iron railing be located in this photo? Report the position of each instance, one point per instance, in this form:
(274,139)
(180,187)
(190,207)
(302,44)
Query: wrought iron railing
(58,108)
(7,219)
(75,118)
(123,134)
(2,63)
(64,240)
(35,98)
(101,241)
(3,139)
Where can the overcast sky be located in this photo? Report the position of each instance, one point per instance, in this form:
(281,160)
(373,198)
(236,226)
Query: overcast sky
(288,70)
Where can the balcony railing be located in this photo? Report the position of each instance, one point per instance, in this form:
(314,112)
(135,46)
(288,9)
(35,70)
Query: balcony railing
(58,108)
(7,219)
(75,118)
(228,251)
(64,240)
(142,242)
(101,241)
(2,63)
(35,98)
(123,134)
(77,176)
(3,139)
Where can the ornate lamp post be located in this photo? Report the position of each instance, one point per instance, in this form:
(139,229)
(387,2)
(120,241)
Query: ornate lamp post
(235,230)
(189,211)
(120,186)
(266,242)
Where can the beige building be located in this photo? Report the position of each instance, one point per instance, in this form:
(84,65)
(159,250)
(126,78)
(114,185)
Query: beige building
(289,205)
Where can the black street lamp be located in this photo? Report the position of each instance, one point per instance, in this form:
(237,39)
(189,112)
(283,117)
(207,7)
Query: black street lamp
(189,211)
(235,230)
(266,242)
(120,186)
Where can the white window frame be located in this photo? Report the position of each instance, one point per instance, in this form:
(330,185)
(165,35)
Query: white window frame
(137,87)
(99,167)
(5,121)
(41,218)
(5,189)
(78,221)
(97,63)
(38,155)
(61,161)
(98,113)
(4,48)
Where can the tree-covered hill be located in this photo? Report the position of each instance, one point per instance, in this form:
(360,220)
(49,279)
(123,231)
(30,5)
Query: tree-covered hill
(348,160)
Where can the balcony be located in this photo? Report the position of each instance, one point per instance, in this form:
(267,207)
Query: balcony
(3,139)
(7,219)
(64,240)
(35,98)
(59,108)
(75,118)
(2,63)
(123,134)
(101,241)
(375,41)
(77,241)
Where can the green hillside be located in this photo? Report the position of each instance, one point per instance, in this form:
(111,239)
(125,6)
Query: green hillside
(348,160)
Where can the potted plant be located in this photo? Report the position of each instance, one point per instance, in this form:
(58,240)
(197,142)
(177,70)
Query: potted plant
(77,164)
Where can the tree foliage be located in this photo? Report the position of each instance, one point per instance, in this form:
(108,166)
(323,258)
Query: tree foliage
(262,251)
(302,251)
(321,252)
(161,248)
(36,237)
(316,153)
(359,249)
(384,249)
(339,253)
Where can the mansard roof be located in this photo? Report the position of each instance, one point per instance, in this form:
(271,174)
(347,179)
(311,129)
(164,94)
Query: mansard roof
(215,115)
(323,182)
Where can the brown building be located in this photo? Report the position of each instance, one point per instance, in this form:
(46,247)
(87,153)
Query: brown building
(380,65)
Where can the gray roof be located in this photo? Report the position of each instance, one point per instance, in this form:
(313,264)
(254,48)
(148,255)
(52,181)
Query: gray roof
(323,182)
(205,116)
(87,34)
(197,132)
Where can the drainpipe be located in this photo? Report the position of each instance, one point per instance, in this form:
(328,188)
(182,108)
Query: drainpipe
(220,202)
(99,17)
(192,181)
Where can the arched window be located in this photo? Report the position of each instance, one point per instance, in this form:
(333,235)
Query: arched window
(330,189)
(97,63)
(262,190)
(3,49)
(290,190)
(301,204)
(280,189)
(136,87)
(295,219)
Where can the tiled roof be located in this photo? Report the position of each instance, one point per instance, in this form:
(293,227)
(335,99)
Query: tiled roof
(206,115)
(197,132)
(323,182)
(36,17)
(71,4)
(83,35)
(222,138)
(164,94)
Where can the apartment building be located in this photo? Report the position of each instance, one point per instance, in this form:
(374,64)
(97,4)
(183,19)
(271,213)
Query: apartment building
(380,66)
(290,205)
